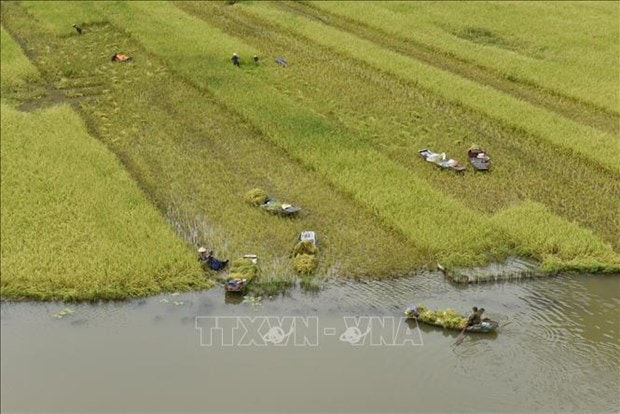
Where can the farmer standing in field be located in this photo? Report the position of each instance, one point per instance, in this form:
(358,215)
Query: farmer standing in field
(235,60)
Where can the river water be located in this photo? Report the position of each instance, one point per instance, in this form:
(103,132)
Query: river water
(557,350)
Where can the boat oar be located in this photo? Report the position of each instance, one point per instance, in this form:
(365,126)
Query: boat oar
(461,336)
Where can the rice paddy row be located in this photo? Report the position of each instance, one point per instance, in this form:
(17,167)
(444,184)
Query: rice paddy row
(564,51)
(74,225)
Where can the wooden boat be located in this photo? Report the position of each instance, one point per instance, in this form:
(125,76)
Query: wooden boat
(448,319)
(441,160)
(479,159)
(259,197)
(235,285)
(276,207)
(242,272)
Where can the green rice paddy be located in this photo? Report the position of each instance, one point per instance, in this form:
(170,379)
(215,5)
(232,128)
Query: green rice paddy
(337,132)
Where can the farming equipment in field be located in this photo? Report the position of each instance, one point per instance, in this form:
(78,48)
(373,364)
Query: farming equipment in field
(478,158)
(441,160)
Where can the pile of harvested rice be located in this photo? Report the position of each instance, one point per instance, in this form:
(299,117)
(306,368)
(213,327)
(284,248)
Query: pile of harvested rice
(447,318)
(242,269)
(256,196)
(304,257)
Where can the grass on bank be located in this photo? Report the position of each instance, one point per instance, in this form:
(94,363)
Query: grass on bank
(74,224)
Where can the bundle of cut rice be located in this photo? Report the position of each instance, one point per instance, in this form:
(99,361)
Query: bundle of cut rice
(448,318)
(304,247)
(256,196)
(242,269)
(305,263)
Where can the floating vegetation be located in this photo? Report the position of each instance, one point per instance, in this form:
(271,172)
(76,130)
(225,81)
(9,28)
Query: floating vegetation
(255,301)
(63,313)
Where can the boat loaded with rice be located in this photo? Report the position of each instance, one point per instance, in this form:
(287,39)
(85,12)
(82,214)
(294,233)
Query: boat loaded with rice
(259,197)
(441,160)
(448,319)
(242,272)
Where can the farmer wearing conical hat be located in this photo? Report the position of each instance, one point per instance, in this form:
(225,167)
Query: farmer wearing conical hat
(235,59)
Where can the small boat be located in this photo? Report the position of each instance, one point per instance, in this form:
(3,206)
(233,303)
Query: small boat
(259,197)
(448,319)
(242,272)
(276,207)
(478,158)
(441,160)
(235,285)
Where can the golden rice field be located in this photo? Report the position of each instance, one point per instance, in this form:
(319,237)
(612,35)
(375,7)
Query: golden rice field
(337,132)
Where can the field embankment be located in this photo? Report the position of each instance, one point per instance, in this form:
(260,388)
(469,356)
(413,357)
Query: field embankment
(337,132)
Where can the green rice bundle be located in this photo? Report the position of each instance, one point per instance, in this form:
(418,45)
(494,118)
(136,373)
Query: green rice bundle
(447,318)
(305,263)
(273,207)
(304,247)
(304,257)
(242,269)
(256,196)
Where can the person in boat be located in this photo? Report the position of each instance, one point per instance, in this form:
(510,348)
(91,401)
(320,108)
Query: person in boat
(476,317)
(119,57)
(207,258)
(235,60)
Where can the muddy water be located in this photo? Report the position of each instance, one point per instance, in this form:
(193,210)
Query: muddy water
(558,351)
